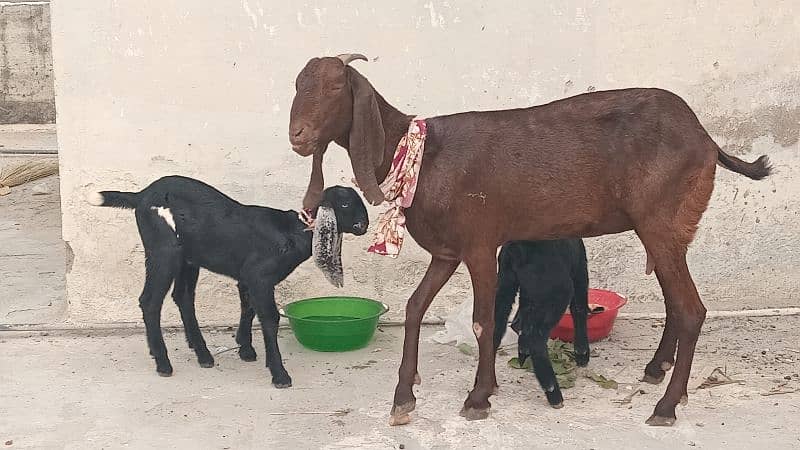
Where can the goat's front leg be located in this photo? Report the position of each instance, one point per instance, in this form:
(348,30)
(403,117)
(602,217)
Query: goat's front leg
(483,270)
(262,298)
(244,335)
(439,271)
(579,310)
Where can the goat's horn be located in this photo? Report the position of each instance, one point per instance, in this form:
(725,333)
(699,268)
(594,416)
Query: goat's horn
(347,58)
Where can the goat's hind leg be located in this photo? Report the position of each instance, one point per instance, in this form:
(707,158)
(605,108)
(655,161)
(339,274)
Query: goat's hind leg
(184,295)
(687,313)
(542,367)
(664,357)
(545,296)
(161,268)
(244,335)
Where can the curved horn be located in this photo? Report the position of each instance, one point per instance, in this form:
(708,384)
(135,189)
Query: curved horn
(347,58)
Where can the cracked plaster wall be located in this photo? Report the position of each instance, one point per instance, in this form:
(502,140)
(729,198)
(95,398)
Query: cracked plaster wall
(203,89)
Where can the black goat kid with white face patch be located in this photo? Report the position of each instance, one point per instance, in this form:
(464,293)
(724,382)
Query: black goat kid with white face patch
(186,224)
(337,214)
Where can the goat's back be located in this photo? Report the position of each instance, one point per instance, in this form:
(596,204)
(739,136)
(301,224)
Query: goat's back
(217,232)
(582,166)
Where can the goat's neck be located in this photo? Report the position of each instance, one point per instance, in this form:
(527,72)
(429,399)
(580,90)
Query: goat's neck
(395,126)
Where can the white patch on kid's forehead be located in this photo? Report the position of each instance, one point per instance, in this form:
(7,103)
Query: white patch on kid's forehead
(165,214)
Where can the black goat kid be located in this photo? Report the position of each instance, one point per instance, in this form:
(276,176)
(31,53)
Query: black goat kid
(549,276)
(186,224)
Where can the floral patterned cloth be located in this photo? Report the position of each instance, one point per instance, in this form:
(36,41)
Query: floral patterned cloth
(307,217)
(399,188)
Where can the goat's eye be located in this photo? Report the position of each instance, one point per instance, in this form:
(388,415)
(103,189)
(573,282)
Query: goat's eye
(345,205)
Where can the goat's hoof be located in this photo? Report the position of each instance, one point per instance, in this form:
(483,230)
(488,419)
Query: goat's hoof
(647,378)
(247,354)
(476,406)
(582,359)
(404,409)
(470,413)
(402,419)
(206,363)
(282,382)
(417,379)
(660,421)
(555,399)
(655,372)
(684,400)
(164,372)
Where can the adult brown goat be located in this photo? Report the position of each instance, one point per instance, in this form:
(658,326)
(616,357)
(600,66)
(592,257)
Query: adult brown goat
(588,165)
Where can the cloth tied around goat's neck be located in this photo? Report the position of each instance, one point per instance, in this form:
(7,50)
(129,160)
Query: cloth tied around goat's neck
(399,188)
(307,217)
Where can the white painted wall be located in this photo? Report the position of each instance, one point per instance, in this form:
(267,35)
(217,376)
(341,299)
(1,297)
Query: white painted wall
(150,88)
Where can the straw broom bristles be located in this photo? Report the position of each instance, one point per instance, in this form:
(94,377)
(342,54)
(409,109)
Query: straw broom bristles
(26,171)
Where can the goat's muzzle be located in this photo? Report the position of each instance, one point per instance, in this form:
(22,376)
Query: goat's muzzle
(303,140)
(359,228)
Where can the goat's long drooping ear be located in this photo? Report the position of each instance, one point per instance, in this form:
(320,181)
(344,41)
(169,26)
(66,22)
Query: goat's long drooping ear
(327,246)
(367,138)
(316,184)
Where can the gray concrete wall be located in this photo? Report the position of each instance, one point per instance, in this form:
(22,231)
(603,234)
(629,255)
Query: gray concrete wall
(26,65)
(203,89)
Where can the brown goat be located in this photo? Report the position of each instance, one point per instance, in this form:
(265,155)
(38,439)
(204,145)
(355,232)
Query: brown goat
(588,165)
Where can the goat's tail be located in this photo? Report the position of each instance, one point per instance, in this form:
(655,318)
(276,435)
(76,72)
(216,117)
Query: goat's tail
(114,199)
(756,170)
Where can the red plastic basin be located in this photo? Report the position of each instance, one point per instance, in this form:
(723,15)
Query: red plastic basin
(598,325)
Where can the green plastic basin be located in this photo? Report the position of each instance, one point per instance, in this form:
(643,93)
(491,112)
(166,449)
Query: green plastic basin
(334,324)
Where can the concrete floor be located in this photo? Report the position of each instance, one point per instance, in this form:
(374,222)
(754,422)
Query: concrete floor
(97,389)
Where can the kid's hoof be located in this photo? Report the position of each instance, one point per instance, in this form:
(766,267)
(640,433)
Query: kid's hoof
(247,354)
(282,382)
(207,364)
